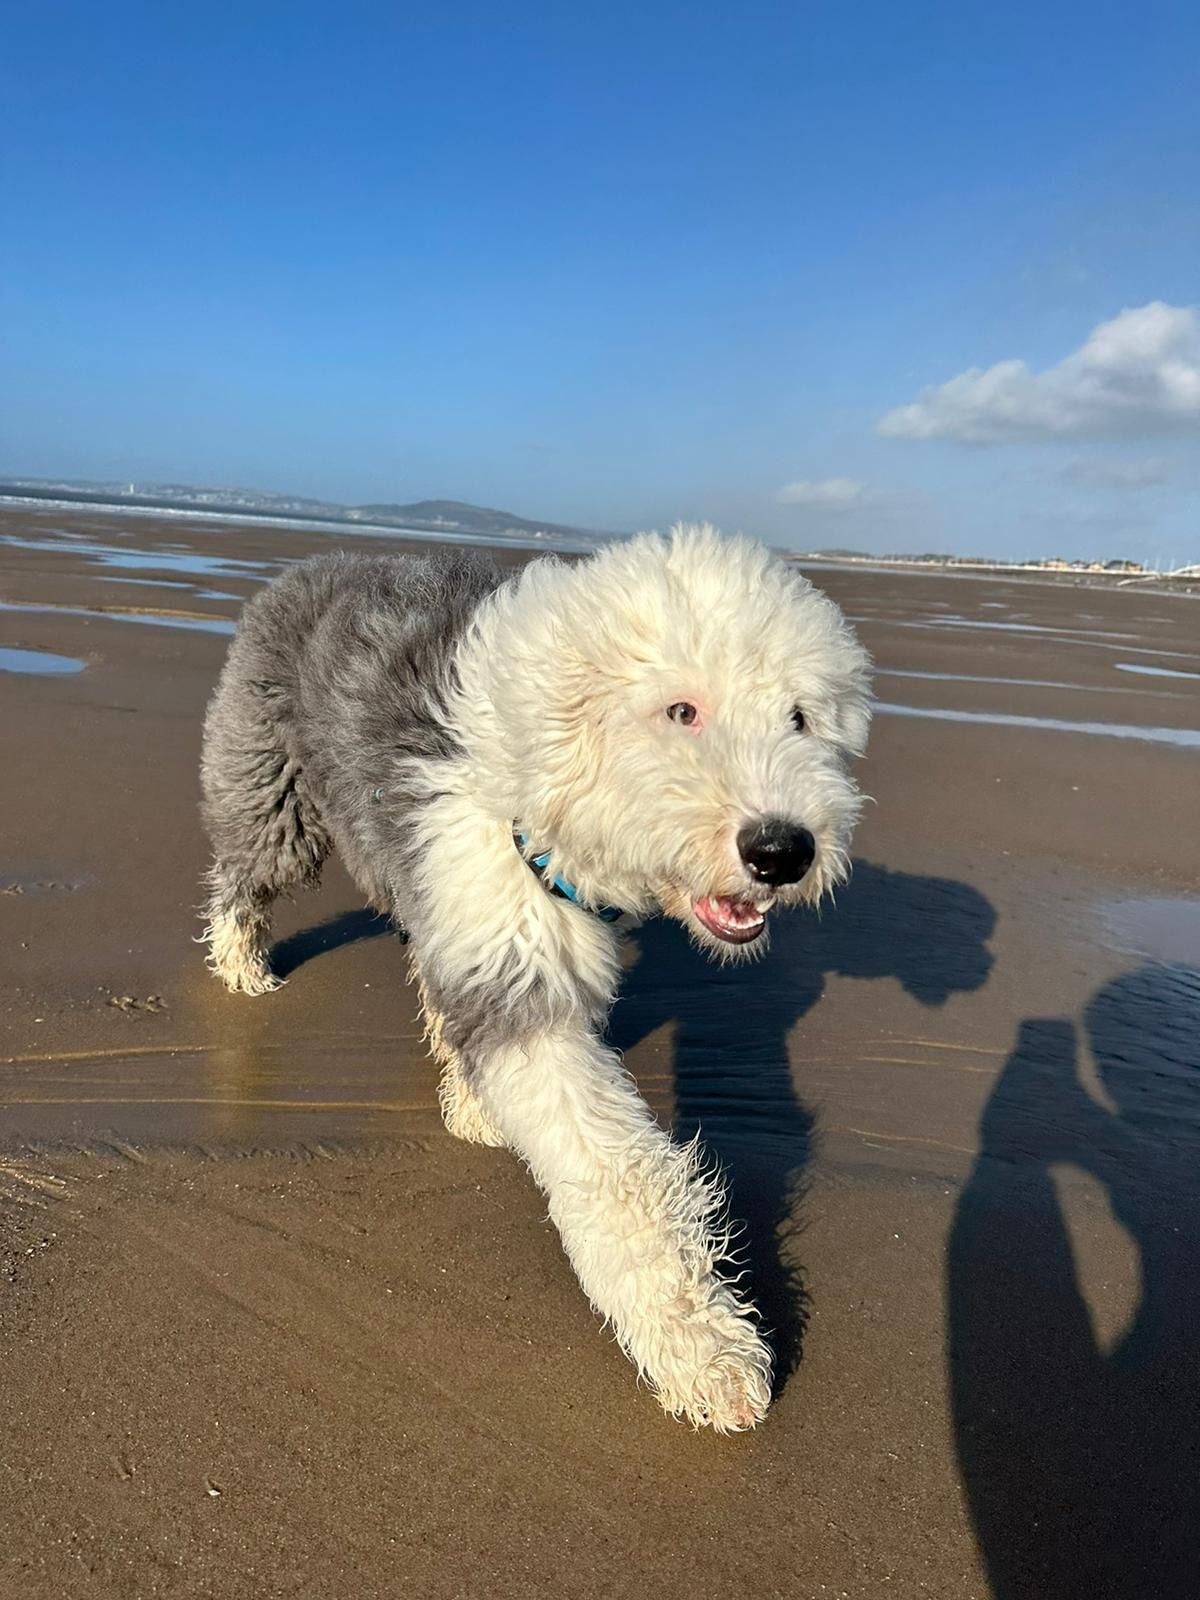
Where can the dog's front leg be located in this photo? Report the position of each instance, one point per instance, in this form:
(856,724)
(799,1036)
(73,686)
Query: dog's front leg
(639,1220)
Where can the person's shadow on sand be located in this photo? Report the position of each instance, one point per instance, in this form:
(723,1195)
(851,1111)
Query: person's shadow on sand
(733,1078)
(1082,1467)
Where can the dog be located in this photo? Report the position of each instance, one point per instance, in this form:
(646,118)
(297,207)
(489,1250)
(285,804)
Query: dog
(516,768)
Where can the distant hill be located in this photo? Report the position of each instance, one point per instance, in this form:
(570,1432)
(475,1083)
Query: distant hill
(458,516)
(425,516)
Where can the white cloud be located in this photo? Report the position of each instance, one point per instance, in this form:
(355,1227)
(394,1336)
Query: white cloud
(1138,374)
(1129,476)
(824,494)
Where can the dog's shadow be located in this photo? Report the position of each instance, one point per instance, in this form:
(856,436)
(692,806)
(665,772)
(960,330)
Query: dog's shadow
(348,927)
(733,1078)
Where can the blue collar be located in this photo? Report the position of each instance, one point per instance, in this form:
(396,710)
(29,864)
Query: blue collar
(539,865)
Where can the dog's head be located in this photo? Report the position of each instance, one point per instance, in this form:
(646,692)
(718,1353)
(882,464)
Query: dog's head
(680,712)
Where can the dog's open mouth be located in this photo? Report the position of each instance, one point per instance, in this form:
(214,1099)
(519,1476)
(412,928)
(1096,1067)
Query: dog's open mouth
(734,921)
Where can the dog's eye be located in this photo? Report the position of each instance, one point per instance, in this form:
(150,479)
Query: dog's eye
(682,711)
(798,721)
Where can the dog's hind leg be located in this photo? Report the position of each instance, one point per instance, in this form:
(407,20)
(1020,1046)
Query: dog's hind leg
(266,832)
(237,930)
(462,1109)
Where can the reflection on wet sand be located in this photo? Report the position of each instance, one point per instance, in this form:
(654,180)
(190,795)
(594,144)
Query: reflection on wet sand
(252,1093)
(1034,632)
(1184,738)
(1166,927)
(1082,1467)
(1040,683)
(1154,672)
(13,658)
(156,619)
(130,559)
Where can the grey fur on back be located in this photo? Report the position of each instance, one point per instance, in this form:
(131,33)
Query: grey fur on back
(338,668)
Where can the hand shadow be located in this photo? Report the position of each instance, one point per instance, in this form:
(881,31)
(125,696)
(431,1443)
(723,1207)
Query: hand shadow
(733,1076)
(1082,1466)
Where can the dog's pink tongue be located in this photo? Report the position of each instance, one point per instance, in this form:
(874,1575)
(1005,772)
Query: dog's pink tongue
(736,912)
(732,920)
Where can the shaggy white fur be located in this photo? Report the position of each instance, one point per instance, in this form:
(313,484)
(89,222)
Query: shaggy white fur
(639,715)
(237,953)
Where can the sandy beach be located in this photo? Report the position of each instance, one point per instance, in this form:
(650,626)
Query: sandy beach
(266,1330)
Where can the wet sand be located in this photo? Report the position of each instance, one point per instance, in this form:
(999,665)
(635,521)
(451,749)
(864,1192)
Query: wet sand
(265,1329)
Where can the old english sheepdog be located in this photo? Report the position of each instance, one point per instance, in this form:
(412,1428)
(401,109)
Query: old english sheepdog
(514,768)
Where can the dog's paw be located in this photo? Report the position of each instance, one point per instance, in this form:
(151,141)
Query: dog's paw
(731,1394)
(243,974)
(716,1371)
(248,980)
(237,955)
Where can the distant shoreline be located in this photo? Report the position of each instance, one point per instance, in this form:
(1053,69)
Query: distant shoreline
(581,541)
(270,519)
(1126,575)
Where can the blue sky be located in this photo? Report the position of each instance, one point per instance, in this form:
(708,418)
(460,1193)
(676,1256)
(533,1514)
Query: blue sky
(619,265)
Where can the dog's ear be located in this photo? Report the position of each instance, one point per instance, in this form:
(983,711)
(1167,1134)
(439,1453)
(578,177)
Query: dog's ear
(854,720)
(852,694)
(568,752)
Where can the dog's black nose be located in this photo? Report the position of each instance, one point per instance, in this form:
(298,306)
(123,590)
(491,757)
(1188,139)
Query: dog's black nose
(776,851)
